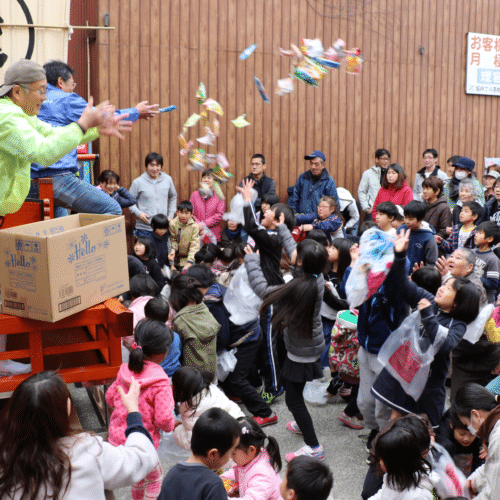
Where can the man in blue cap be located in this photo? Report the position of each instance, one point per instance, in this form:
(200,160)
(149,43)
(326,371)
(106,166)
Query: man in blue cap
(312,185)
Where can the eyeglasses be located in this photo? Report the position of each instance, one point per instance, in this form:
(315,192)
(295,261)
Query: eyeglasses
(41,92)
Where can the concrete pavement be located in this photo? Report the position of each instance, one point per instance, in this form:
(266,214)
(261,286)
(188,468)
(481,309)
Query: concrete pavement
(344,447)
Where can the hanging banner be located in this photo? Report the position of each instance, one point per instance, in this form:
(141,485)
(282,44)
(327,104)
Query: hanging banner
(47,40)
(483,64)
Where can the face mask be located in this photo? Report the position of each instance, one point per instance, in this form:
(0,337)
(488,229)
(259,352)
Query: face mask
(460,175)
(470,428)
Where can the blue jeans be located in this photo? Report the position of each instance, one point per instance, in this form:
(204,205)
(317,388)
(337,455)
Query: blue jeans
(79,196)
(142,232)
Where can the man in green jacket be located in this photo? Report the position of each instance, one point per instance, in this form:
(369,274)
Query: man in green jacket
(24,139)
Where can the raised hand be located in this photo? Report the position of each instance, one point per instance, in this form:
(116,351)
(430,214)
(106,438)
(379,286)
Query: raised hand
(401,242)
(246,189)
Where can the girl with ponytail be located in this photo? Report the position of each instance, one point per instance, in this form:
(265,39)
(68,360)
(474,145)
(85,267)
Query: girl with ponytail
(152,341)
(194,323)
(297,314)
(258,462)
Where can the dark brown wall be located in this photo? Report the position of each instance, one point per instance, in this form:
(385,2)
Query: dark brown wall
(402,101)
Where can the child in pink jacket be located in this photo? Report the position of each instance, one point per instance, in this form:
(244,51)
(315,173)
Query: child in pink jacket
(156,402)
(208,204)
(257,467)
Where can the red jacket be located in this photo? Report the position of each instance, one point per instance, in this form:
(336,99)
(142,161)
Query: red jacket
(210,211)
(400,196)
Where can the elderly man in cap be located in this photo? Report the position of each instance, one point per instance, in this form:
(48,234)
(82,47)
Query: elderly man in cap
(312,185)
(62,107)
(25,139)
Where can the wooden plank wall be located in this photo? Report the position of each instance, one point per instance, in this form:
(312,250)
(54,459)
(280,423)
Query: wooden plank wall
(402,100)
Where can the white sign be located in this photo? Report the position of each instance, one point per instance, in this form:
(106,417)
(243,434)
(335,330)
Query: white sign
(483,64)
(40,44)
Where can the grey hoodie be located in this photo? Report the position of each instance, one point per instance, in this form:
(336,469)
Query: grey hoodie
(153,197)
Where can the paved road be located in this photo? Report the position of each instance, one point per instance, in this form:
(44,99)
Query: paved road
(344,447)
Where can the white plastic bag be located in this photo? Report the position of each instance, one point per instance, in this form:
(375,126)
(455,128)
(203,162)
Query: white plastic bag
(240,300)
(408,353)
(169,450)
(451,479)
(315,392)
(226,361)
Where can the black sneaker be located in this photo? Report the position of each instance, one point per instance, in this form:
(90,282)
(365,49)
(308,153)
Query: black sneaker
(371,437)
(334,386)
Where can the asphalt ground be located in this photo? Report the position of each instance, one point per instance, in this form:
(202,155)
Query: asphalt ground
(344,447)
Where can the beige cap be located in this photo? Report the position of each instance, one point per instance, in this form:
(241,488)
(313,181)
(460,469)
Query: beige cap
(22,71)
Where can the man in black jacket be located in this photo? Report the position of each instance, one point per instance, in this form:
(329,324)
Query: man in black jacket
(263,184)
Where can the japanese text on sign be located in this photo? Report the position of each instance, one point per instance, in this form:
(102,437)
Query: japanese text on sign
(483,64)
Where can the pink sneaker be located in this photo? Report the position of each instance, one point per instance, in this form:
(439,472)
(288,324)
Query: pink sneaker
(293,427)
(318,453)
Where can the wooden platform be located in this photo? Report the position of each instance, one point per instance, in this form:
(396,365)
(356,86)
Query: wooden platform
(83,347)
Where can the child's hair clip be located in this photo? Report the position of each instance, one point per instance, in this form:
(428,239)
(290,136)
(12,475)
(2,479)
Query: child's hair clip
(244,430)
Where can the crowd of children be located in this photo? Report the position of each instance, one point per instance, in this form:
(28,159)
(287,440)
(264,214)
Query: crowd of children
(267,292)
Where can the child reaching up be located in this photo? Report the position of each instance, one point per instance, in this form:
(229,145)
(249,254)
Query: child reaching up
(297,308)
(194,390)
(329,219)
(152,341)
(257,467)
(399,452)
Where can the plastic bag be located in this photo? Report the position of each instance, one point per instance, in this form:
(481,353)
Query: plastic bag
(451,479)
(376,255)
(207,236)
(344,347)
(240,300)
(169,450)
(226,361)
(407,354)
(315,392)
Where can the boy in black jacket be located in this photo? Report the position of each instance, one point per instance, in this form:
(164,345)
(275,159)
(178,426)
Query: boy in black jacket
(269,246)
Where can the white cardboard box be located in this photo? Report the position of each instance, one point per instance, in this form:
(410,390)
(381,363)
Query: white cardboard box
(55,268)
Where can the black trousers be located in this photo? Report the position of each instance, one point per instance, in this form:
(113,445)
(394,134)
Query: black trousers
(297,406)
(237,383)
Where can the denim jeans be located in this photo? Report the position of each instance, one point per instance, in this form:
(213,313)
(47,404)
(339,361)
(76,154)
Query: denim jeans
(79,196)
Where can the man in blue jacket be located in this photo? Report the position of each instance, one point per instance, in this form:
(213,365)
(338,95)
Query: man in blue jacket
(64,106)
(312,185)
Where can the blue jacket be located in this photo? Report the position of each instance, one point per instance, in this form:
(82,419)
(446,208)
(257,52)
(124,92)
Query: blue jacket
(306,194)
(62,108)
(422,246)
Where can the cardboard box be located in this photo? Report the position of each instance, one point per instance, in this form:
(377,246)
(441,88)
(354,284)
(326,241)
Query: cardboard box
(56,268)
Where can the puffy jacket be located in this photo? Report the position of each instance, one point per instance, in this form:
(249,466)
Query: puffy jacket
(26,139)
(62,108)
(212,397)
(422,246)
(298,347)
(257,479)
(306,193)
(368,188)
(156,402)
(209,211)
(198,331)
(185,239)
